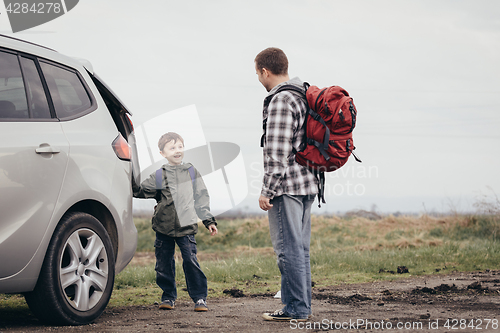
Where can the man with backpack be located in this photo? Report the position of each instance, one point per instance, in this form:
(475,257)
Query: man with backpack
(288,188)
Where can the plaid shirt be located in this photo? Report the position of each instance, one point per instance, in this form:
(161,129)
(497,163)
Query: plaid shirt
(285,115)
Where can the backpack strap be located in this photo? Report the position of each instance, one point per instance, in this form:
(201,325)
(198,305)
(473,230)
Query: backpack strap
(263,137)
(317,99)
(322,146)
(191,173)
(268,99)
(159,178)
(321,187)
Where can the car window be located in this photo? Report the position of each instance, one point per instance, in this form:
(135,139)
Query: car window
(38,100)
(13,103)
(67,91)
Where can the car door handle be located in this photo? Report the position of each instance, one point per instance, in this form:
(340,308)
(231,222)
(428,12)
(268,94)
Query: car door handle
(46,149)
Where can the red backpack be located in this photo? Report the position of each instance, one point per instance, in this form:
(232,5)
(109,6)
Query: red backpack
(330,120)
(329,124)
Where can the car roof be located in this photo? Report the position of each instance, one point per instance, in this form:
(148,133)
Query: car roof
(43,52)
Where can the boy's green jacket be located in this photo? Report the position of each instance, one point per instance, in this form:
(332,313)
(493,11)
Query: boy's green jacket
(182,201)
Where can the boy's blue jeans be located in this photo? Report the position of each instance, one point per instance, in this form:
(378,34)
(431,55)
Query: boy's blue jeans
(196,281)
(290,229)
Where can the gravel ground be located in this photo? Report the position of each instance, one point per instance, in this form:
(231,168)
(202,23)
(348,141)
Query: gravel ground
(459,302)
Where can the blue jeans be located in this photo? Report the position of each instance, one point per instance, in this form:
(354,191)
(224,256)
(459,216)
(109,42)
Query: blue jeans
(196,281)
(290,229)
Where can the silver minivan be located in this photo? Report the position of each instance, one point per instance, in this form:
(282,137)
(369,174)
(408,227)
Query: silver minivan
(66,152)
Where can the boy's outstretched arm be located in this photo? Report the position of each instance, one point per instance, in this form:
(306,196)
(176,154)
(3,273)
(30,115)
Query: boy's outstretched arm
(147,189)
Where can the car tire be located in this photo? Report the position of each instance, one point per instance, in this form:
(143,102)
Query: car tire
(77,276)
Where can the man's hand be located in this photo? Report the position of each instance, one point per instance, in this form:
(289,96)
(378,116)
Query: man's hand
(213,229)
(264,203)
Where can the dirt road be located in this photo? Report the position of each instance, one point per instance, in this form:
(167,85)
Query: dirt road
(460,302)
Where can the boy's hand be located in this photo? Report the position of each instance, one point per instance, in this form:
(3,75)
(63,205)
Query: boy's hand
(213,229)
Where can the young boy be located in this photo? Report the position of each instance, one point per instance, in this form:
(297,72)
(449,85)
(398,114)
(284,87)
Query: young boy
(184,198)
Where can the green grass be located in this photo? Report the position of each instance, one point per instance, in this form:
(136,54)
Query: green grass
(232,233)
(12,305)
(349,250)
(342,251)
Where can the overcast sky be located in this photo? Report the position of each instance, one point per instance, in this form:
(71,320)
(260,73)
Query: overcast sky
(424,75)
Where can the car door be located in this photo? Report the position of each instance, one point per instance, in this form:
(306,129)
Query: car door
(33,159)
(121,117)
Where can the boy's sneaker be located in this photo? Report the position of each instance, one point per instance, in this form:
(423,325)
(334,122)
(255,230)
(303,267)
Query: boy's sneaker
(200,305)
(167,305)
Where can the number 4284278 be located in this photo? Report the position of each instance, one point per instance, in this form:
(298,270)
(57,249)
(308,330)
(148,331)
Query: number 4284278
(35,8)
(478,324)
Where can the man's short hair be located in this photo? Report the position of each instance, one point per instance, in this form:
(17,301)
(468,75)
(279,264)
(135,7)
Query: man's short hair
(273,59)
(167,137)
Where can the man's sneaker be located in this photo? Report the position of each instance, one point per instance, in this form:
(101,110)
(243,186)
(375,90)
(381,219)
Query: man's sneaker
(278,315)
(167,305)
(200,305)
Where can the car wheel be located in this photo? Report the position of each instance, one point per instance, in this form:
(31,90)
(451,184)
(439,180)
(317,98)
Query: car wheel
(77,276)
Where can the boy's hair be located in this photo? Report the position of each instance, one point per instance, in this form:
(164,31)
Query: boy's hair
(273,59)
(167,137)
